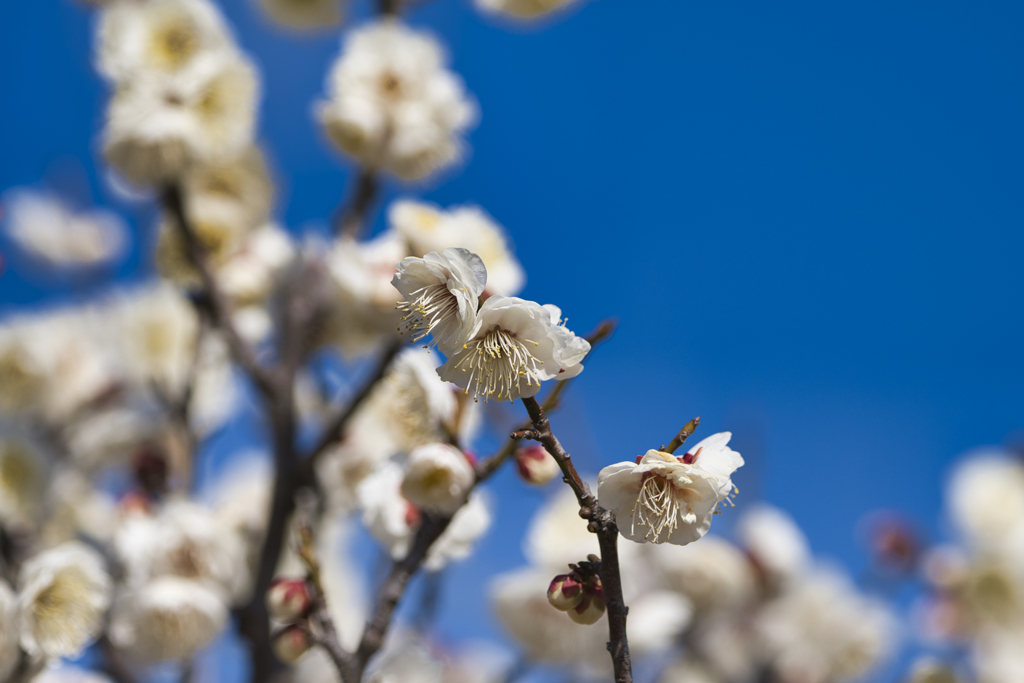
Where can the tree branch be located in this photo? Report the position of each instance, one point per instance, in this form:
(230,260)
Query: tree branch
(219,306)
(602,523)
(351,221)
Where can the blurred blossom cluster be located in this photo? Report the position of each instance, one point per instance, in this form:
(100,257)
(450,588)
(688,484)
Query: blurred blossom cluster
(134,540)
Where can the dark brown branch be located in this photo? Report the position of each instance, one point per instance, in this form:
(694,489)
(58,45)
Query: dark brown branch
(219,306)
(353,219)
(682,436)
(602,523)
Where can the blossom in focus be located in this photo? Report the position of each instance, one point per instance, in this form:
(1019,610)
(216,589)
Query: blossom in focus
(427,228)
(514,346)
(47,229)
(168,618)
(63,596)
(523,9)
(158,127)
(441,294)
(437,477)
(664,498)
(158,38)
(303,15)
(392,105)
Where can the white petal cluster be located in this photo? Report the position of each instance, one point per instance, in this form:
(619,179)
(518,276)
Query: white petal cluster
(10,647)
(48,230)
(441,293)
(24,468)
(514,346)
(392,105)
(184,94)
(664,498)
(63,597)
(427,228)
(437,477)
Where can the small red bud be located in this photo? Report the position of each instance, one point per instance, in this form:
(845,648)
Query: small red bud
(412,515)
(535,465)
(591,607)
(565,592)
(288,599)
(290,643)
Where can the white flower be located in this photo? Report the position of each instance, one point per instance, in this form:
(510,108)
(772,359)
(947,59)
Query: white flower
(78,509)
(667,498)
(437,477)
(774,542)
(441,293)
(69,674)
(158,127)
(515,345)
(168,618)
(303,14)
(713,573)
(249,275)
(64,595)
(470,522)
(557,536)
(165,37)
(429,228)
(46,228)
(986,499)
(24,467)
(10,648)
(411,663)
(821,630)
(391,103)
(110,435)
(186,540)
(523,9)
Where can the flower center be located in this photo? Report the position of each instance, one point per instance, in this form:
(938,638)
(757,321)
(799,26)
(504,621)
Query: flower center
(433,306)
(497,363)
(656,508)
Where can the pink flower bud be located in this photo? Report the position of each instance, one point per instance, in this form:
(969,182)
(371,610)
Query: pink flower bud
(565,592)
(591,607)
(288,599)
(290,643)
(535,465)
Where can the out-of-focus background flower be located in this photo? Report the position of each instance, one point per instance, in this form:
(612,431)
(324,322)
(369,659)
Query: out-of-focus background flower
(806,217)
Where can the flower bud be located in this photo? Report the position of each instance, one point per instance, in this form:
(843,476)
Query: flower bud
(565,592)
(591,607)
(535,465)
(288,599)
(290,643)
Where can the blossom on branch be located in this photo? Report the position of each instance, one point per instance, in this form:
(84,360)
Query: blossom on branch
(514,346)
(392,105)
(441,295)
(664,498)
(438,477)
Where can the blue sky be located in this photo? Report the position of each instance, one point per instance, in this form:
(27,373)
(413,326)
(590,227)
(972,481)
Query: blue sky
(806,216)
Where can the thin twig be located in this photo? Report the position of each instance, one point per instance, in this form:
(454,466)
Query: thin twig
(353,219)
(219,306)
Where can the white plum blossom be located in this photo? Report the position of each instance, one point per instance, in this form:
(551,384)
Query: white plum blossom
(158,127)
(303,15)
(664,498)
(514,346)
(441,294)
(168,618)
(428,228)
(714,574)
(24,467)
(10,648)
(391,103)
(47,229)
(437,477)
(774,542)
(986,500)
(63,597)
(158,37)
